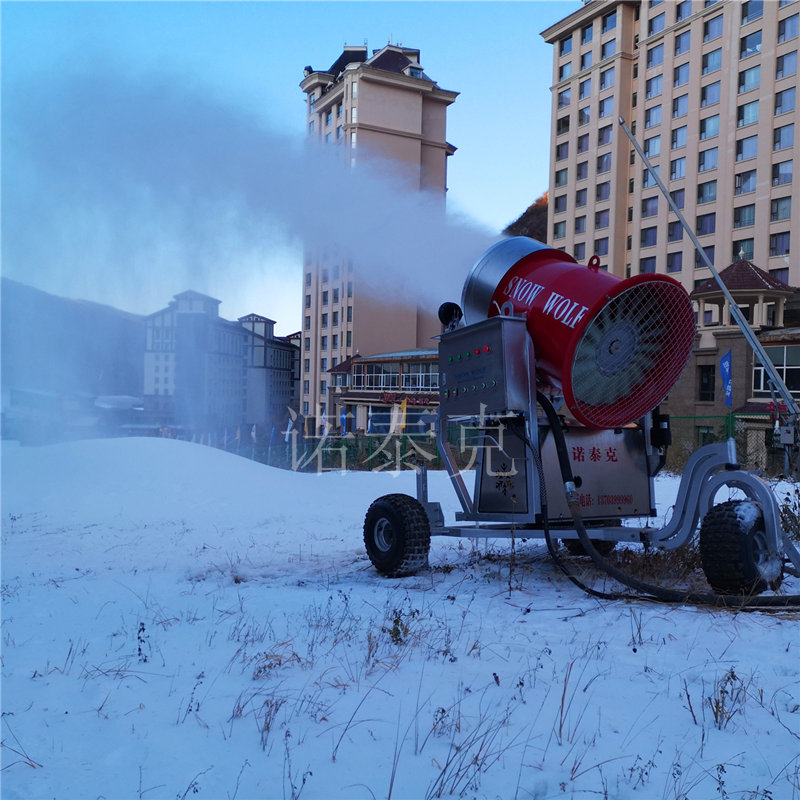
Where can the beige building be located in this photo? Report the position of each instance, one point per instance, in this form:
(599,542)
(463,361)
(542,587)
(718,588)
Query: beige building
(709,89)
(383,104)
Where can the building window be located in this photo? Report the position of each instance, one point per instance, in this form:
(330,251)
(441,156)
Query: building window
(781,173)
(653,86)
(787,28)
(706,224)
(744,216)
(677,168)
(565,46)
(785,101)
(601,246)
(746,148)
(605,107)
(683,10)
(580,224)
(565,71)
(679,137)
(323,365)
(750,45)
(648,237)
(712,29)
(707,159)
(607,78)
(781,274)
(602,218)
(349,288)
(604,135)
(323,342)
(678,197)
(674,231)
(699,261)
(680,106)
(586,60)
(655,56)
(586,34)
(652,116)
(648,179)
(709,127)
(604,162)
(745,182)
(709,95)
(783,137)
(742,248)
(656,24)
(580,198)
(749,79)
(779,244)
(306,343)
(780,208)
(652,146)
(349,338)
(583,116)
(674,262)
(706,375)
(706,192)
(752,9)
(307,323)
(585,89)
(747,114)
(562,151)
(564,98)
(603,191)
(649,206)
(582,170)
(647,266)
(680,75)
(562,125)
(607,49)
(560,203)
(561,177)
(579,251)
(712,61)
(609,22)
(335,320)
(786,65)
(682,43)
(349,313)
(308,301)
(583,143)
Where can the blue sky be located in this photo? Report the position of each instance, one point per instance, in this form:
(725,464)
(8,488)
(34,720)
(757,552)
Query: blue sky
(251,55)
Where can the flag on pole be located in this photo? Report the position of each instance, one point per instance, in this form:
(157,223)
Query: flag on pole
(727,381)
(403,408)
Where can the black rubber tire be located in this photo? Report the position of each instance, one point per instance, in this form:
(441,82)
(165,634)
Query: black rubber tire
(733,550)
(575,547)
(397,535)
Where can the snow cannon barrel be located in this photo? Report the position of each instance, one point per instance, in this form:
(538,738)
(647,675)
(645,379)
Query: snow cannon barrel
(613,347)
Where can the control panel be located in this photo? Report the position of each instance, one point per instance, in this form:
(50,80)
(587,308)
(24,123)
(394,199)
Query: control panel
(487,364)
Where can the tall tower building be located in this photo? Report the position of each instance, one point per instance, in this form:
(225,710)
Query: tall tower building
(708,87)
(383,105)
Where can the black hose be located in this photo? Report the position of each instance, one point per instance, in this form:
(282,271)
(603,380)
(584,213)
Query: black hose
(645,591)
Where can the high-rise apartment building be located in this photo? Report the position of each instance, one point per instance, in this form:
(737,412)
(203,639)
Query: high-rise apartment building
(383,105)
(708,87)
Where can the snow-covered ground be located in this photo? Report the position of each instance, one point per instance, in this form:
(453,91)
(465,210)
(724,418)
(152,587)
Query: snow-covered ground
(178,622)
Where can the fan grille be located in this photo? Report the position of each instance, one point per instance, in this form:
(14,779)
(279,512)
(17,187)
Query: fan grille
(632,353)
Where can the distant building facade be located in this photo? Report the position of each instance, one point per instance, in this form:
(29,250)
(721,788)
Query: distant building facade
(271,376)
(383,105)
(709,88)
(386,392)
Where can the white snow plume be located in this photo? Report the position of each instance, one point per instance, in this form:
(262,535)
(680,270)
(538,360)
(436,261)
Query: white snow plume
(128,189)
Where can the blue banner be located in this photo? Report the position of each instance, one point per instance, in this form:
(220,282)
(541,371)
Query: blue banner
(727,380)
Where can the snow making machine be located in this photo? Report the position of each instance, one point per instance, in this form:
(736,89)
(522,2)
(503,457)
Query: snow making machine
(553,373)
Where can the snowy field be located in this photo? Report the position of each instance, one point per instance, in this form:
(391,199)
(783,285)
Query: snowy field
(178,622)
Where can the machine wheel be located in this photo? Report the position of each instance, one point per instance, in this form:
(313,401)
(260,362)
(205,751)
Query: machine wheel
(397,535)
(575,547)
(734,550)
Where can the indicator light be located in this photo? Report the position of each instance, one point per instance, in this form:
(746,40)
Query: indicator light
(486,348)
(477,351)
